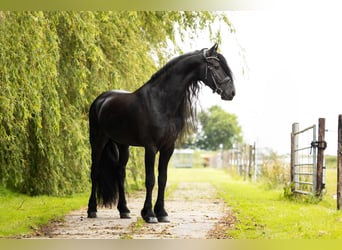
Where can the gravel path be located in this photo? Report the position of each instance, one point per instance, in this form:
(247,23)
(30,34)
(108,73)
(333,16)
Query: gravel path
(194,210)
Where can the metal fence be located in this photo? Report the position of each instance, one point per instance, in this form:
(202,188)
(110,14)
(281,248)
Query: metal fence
(243,159)
(307,159)
(304,159)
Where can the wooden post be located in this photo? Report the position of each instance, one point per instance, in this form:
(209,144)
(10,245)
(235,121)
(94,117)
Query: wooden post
(254,162)
(250,161)
(244,161)
(339,164)
(294,153)
(320,156)
(292,158)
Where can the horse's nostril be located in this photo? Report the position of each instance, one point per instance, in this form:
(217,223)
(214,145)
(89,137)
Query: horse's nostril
(233,93)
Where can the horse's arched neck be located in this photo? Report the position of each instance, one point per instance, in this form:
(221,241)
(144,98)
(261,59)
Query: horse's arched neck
(168,91)
(177,78)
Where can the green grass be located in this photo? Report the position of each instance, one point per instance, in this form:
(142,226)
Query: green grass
(262,213)
(21,214)
(331,181)
(331,161)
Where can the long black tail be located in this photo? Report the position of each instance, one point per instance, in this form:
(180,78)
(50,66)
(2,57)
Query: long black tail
(105,175)
(108,177)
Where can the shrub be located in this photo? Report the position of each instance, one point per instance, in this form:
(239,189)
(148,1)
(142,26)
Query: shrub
(274,171)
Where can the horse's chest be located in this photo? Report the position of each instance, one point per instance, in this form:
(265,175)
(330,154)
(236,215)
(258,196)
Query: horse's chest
(167,129)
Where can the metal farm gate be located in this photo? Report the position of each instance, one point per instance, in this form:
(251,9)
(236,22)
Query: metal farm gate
(307,157)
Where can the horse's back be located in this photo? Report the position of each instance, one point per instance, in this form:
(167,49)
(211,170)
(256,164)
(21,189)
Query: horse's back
(111,93)
(97,104)
(119,91)
(118,115)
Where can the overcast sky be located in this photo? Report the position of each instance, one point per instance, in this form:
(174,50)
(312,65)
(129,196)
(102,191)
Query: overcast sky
(295,70)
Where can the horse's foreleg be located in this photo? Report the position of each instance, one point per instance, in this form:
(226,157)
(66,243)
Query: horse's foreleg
(147,213)
(122,204)
(165,155)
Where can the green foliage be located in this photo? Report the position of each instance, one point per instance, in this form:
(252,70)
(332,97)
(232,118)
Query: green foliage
(52,66)
(296,197)
(274,171)
(218,127)
(136,169)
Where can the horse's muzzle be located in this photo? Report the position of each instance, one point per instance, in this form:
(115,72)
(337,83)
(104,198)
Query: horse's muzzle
(228,89)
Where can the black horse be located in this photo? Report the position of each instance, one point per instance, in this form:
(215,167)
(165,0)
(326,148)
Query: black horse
(151,117)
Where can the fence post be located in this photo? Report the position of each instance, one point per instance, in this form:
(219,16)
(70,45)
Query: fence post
(250,161)
(339,164)
(245,157)
(294,153)
(254,162)
(320,156)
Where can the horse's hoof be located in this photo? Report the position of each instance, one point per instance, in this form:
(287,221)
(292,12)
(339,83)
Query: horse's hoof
(92,215)
(150,220)
(125,216)
(163,219)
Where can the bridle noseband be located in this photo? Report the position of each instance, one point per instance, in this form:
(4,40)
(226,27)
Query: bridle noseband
(216,89)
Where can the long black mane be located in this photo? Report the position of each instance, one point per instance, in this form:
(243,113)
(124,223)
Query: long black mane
(170,64)
(187,110)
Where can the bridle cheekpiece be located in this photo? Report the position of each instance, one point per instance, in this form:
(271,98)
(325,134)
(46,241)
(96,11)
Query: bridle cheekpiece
(216,89)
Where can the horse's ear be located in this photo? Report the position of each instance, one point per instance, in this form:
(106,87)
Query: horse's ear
(213,50)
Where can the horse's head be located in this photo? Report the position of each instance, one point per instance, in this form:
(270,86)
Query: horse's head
(217,75)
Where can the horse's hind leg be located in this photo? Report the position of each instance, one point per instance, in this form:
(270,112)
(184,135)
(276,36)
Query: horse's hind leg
(92,204)
(97,147)
(123,158)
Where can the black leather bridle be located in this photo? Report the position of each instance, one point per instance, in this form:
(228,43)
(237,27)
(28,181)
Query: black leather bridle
(216,89)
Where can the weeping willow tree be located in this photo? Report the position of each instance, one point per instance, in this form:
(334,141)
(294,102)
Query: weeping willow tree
(52,66)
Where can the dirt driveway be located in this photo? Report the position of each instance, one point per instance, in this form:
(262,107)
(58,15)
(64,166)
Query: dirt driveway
(194,209)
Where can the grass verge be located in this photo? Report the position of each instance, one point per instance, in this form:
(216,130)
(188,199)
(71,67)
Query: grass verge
(262,213)
(22,214)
